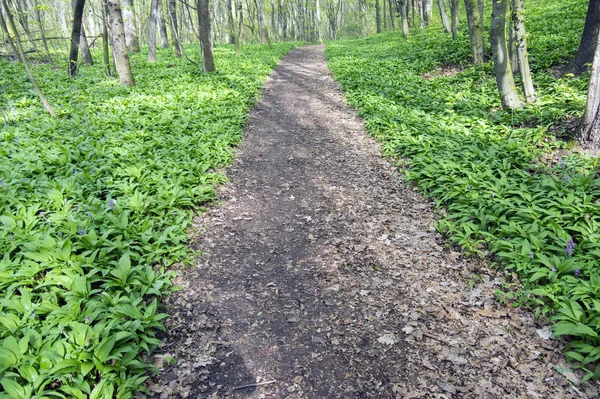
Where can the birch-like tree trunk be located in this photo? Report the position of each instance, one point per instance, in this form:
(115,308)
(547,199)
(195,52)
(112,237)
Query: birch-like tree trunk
(75,36)
(120,52)
(444,16)
(427,11)
(475,23)
(152,31)
(589,128)
(403,15)
(504,76)
(131,29)
(208,62)
(518,21)
(454,15)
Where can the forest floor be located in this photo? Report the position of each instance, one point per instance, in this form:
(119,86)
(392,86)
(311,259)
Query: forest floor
(323,276)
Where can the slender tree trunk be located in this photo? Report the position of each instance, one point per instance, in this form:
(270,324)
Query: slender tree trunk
(86,54)
(234,29)
(152,31)
(475,22)
(455,12)
(504,77)
(512,48)
(280,19)
(162,26)
(444,16)
(40,20)
(19,47)
(589,38)
(22,18)
(318,21)
(391,9)
(120,53)
(521,45)
(174,29)
(208,62)
(273,23)
(403,15)
(589,128)
(384,15)
(377,17)
(105,52)
(13,47)
(75,36)
(421,13)
(261,20)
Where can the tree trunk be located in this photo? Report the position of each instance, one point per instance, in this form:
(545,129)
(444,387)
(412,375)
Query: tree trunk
(162,26)
(75,36)
(280,19)
(318,22)
(208,62)
(475,23)
(589,39)
(519,25)
(174,29)
(152,31)
(86,54)
(120,53)
(404,16)
(391,9)
(455,13)
(427,11)
(377,16)
(444,16)
(19,48)
(105,53)
(512,48)
(261,20)
(13,47)
(131,31)
(421,13)
(40,20)
(589,128)
(504,77)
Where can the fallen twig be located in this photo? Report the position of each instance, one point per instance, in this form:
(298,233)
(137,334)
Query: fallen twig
(254,385)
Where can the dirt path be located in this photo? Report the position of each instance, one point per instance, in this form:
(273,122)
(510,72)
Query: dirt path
(323,273)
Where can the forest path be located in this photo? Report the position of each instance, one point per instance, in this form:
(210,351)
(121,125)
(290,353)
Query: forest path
(323,275)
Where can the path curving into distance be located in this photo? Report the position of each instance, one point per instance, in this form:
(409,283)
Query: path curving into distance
(323,275)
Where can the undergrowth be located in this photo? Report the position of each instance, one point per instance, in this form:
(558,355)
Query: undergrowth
(94,205)
(500,189)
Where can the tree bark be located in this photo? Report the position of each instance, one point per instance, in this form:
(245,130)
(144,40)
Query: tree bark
(75,36)
(427,11)
(174,29)
(13,47)
(504,77)
(19,47)
(105,53)
(318,21)
(391,9)
(162,26)
(454,12)
(120,52)
(404,17)
(377,16)
(86,54)
(208,62)
(589,39)
(444,16)
(152,31)
(475,23)
(518,21)
(589,128)
(131,31)
(261,20)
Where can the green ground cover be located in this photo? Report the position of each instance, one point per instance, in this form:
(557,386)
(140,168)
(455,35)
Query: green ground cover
(500,185)
(94,205)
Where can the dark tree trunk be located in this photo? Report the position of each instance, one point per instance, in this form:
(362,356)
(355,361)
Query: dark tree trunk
(208,62)
(589,38)
(391,9)
(589,129)
(162,26)
(75,35)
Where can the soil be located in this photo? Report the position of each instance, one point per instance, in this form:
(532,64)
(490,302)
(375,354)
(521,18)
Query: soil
(322,276)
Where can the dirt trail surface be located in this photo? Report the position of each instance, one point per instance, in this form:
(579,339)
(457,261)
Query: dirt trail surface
(323,275)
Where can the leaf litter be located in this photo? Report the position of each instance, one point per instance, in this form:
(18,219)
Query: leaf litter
(323,276)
